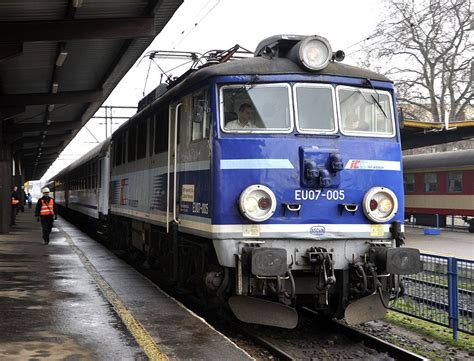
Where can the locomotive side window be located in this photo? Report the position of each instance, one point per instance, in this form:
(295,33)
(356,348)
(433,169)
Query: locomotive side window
(409,182)
(315,108)
(454,182)
(142,139)
(119,149)
(256,108)
(132,142)
(200,115)
(151,133)
(430,182)
(161,130)
(365,112)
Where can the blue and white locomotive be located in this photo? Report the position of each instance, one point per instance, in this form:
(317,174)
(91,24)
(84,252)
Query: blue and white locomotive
(268,182)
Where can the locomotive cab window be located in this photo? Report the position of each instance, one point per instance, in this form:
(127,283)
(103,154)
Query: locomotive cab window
(365,112)
(200,115)
(315,108)
(256,108)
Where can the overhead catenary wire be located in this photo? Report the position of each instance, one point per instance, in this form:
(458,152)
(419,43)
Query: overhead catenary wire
(96,140)
(373,36)
(197,23)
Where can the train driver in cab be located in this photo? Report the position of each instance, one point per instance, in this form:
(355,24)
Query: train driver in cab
(353,123)
(245,119)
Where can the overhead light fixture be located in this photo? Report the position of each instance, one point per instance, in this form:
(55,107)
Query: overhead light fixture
(43,136)
(50,107)
(61,57)
(55,87)
(48,121)
(76,3)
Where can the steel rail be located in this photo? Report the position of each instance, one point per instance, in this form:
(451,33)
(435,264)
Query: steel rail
(373,342)
(270,347)
(437,285)
(436,304)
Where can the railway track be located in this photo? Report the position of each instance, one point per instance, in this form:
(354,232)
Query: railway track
(436,295)
(314,339)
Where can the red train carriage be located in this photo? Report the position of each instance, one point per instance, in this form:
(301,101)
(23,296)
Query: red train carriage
(440,184)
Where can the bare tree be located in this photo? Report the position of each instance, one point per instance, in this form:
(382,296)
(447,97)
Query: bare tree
(431,39)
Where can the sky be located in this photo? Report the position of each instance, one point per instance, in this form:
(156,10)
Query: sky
(202,25)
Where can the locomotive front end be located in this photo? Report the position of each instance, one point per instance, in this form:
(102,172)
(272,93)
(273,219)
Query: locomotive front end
(308,186)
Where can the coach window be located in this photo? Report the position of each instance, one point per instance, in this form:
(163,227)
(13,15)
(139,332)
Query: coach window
(430,182)
(94,174)
(99,174)
(409,182)
(315,108)
(132,143)
(454,182)
(365,112)
(268,107)
(141,144)
(200,115)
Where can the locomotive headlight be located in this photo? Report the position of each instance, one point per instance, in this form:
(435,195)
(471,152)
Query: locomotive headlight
(380,204)
(257,202)
(314,52)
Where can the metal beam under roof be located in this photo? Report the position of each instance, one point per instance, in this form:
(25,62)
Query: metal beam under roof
(59,61)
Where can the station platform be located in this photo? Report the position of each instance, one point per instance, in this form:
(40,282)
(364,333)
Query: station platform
(458,244)
(73,299)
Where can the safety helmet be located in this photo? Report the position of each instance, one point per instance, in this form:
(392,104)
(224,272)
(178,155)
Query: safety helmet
(45,190)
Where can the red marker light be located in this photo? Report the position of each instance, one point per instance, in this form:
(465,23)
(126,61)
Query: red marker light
(373,204)
(264,203)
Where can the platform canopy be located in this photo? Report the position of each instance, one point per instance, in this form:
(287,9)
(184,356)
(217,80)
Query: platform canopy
(59,61)
(417,134)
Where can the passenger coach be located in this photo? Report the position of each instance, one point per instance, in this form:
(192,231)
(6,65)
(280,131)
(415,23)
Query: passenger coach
(81,190)
(440,184)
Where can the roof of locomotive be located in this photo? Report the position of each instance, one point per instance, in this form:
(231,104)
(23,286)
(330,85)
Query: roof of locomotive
(274,66)
(255,66)
(458,158)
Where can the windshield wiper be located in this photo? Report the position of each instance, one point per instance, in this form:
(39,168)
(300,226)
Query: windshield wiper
(376,100)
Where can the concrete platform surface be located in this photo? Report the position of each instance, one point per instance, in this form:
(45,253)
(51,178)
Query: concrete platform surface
(75,300)
(448,243)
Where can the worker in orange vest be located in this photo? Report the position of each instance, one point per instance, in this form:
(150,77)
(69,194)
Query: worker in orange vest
(15,204)
(47,212)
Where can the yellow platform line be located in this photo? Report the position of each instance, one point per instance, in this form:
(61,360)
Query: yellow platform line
(139,332)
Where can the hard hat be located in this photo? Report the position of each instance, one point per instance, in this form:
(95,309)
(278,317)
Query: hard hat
(45,190)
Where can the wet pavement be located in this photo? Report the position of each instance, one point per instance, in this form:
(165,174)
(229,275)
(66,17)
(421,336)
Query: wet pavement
(74,300)
(459,244)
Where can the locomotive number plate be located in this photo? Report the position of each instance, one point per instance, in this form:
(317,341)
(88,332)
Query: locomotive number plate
(315,194)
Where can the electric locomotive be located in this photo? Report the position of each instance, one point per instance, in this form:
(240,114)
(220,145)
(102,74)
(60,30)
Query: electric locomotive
(267,183)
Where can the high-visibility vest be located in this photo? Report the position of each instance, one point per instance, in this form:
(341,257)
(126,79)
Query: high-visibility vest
(15,201)
(47,207)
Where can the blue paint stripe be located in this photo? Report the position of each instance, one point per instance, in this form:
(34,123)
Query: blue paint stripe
(256,164)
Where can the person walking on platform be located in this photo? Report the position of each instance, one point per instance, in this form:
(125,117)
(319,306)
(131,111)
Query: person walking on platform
(29,199)
(15,203)
(47,212)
